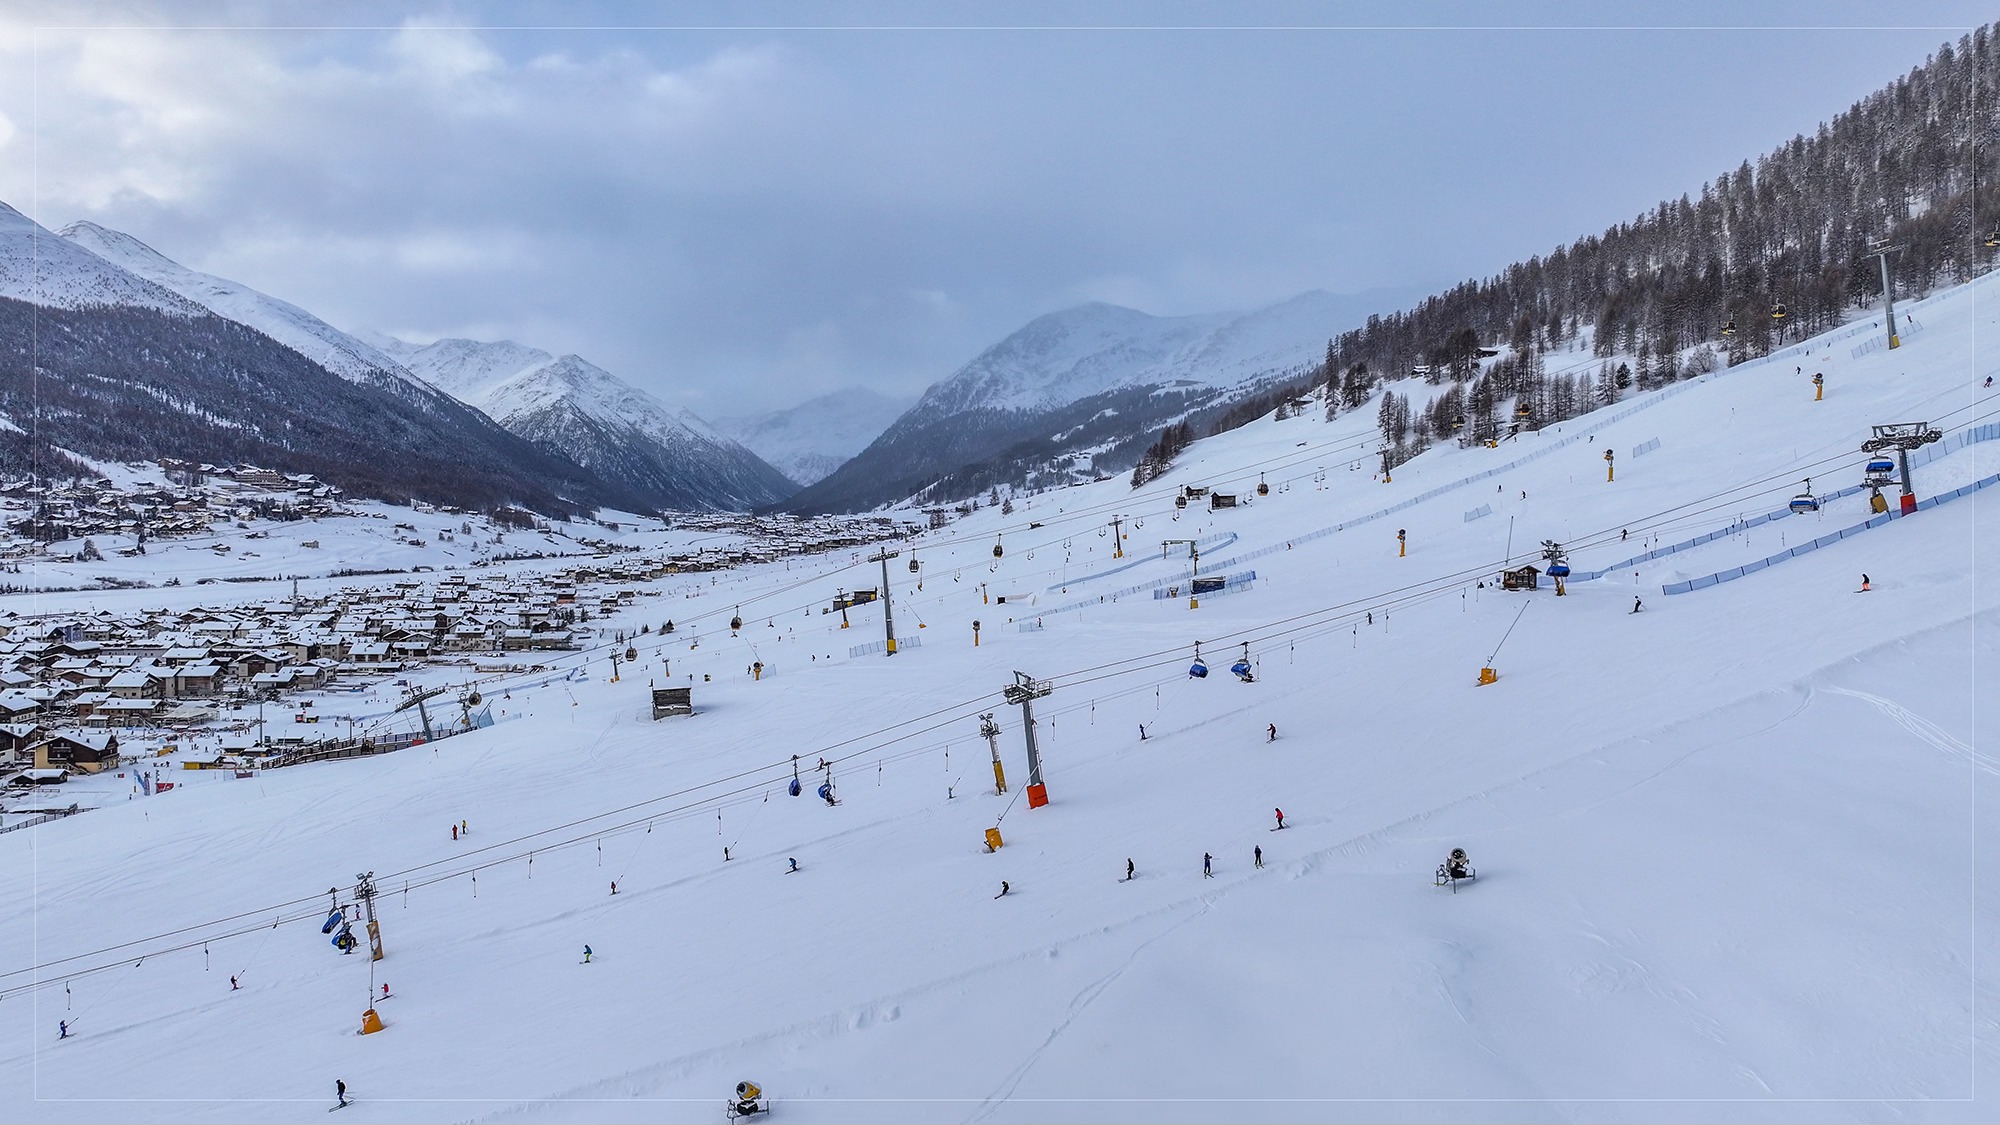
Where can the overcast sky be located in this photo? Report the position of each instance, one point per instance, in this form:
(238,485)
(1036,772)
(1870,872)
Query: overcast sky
(739,217)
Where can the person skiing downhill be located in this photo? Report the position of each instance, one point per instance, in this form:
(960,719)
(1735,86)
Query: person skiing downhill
(340,1092)
(1130,871)
(233,986)
(586,955)
(1257,853)
(454,831)
(62,1029)
(794,865)
(1635,605)
(1003,889)
(1207,866)
(1271,733)
(1281,817)
(1864,583)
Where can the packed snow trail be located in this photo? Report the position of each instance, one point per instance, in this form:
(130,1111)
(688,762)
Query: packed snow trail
(1705,870)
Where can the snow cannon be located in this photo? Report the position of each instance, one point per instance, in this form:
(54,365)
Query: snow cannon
(749,1100)
(1455,868)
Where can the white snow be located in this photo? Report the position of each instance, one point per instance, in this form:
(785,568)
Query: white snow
(1090,349)
(41,268)
(282,321)
(809,441)
(1728,846)
(507,380)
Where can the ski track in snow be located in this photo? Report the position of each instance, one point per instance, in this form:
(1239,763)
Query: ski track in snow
(1923,728)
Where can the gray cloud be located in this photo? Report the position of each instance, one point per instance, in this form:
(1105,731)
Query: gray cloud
(742,219)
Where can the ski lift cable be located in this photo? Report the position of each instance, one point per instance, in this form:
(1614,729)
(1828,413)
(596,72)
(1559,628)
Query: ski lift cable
(1072,678)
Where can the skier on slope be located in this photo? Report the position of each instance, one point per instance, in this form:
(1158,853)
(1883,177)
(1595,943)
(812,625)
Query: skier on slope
(1271,733)
(1207,866)
(1257,854)
(340,1092)
(1130,871)
(62,1029)
(794,865)
(1864,583)
(586,955)
(1281,817)
(1003,889)
(1635,605)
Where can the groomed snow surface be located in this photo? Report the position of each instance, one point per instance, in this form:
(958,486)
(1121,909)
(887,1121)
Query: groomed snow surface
(1729,847)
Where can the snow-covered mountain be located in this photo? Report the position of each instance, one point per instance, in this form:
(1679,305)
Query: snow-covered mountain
(42,269)
(281,320)
(572,406)
(1085,381)
(808,441)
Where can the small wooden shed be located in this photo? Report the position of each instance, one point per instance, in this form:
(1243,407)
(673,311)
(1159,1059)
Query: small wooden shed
(1521,578)
(668,701)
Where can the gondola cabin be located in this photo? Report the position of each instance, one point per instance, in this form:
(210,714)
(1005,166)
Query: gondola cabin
(1521,578)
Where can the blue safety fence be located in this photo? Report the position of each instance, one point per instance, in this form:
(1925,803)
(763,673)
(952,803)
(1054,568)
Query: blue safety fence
(1952,443)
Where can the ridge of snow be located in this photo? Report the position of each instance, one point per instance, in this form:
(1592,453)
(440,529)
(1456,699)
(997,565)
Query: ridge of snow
(288,324)
(43,268)
(808,441)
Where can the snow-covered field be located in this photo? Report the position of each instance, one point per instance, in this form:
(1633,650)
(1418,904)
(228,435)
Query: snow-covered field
(1728,847)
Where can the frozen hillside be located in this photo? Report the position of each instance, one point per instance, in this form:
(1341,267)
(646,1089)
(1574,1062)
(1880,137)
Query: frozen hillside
(601,422)
(1080,381)
(42,269)
(812,439)
(282,321)
(1733,850)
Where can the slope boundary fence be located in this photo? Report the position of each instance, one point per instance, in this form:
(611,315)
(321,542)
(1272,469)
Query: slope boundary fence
(1957,441)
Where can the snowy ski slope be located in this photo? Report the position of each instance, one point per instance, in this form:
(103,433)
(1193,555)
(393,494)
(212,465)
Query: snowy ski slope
(1729,847)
